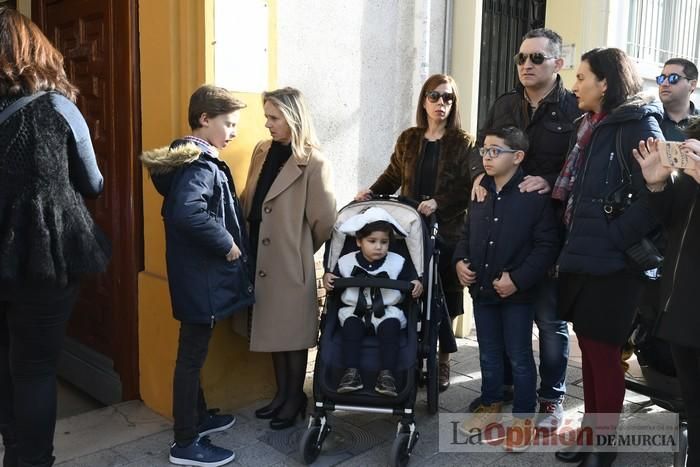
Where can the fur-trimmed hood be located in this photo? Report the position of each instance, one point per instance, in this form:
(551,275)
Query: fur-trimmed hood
(163,162)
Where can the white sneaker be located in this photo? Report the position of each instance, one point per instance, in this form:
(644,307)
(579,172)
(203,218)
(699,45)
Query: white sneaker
(550,415)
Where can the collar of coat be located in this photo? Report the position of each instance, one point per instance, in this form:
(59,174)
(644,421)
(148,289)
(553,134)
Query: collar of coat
(555,95)
(489,182)
(369,265)
(166,159)
(299,159)
(636,107)
(452,137)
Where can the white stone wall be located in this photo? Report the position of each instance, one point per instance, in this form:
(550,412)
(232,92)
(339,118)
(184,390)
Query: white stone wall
(360,65)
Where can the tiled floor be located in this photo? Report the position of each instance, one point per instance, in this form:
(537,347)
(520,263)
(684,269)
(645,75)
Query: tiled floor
(131,435)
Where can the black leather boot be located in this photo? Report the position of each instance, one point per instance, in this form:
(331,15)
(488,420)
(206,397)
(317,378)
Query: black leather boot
(599,459)
(571,455)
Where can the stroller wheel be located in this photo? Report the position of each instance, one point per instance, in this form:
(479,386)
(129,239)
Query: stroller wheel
(309,446)
(400,454)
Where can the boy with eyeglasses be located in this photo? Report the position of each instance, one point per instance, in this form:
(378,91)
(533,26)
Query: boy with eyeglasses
(677,82)
(508,244)
(540,106)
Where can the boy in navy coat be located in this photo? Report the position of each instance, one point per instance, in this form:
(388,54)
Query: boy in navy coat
(508,244)
(206,255)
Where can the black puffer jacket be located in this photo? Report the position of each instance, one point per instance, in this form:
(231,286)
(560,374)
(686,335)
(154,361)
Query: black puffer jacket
(548,130)
(678,207)
(594,243)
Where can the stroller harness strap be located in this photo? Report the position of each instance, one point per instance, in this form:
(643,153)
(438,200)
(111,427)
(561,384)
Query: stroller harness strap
(364,310)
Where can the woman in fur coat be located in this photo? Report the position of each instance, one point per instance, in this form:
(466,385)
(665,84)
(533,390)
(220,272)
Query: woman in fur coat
(435,163)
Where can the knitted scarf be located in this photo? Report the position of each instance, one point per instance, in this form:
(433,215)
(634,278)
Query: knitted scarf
(566,181)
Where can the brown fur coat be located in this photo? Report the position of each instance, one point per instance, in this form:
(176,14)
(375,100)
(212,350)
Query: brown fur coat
(458,165)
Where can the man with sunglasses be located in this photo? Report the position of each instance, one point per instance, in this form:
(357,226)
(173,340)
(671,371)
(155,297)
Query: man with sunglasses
(541,107)
(677,82)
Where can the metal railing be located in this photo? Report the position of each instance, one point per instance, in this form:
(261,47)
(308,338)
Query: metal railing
(663,29)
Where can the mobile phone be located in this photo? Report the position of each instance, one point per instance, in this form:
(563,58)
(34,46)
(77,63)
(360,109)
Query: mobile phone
(673,156)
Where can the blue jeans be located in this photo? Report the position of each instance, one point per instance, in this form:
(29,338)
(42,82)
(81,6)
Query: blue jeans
(507,326)
(554,342)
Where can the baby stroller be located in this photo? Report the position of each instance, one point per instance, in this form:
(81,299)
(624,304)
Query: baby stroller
(418,342)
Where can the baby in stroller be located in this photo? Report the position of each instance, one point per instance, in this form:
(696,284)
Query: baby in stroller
(372,309)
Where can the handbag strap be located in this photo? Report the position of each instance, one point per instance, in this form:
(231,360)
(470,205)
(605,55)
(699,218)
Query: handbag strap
(620,156)
(18,104)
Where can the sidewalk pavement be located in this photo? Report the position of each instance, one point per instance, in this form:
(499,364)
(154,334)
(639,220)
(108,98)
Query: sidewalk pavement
(129,434)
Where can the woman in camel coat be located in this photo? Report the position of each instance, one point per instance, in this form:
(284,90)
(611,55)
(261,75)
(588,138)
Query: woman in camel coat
(290,210)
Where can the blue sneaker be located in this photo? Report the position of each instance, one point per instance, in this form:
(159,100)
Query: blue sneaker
(215,422)
(200,453)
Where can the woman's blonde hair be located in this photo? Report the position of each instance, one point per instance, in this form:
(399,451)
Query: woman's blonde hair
(291,103)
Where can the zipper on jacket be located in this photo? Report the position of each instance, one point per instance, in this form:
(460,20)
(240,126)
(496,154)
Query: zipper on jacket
(680,249)
(212,321)
(580,183)
(607,171)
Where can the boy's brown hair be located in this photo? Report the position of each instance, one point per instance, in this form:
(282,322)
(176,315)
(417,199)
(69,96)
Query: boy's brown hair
(213,101)
(514,137)
(376,226)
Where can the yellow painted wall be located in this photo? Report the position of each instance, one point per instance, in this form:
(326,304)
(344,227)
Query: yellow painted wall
(580,22)
(176,56)
(466,56)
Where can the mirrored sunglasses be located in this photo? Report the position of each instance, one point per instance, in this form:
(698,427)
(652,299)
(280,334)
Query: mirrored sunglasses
(673,78)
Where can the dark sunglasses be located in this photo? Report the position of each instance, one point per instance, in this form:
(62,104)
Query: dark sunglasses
(673,78)
(434,96)
(537,58)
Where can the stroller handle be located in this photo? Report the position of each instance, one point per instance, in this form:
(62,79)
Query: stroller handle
(400,198)
(341,283)
(432,219)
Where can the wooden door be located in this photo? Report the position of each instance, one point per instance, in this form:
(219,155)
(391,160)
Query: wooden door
(98,39)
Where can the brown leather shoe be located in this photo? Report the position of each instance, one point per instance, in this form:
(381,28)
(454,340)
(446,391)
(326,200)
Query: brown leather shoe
(443,376)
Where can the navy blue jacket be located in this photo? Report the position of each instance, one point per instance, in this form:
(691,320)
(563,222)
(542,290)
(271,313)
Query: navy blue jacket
(202,219)
(594,243)
(509,231)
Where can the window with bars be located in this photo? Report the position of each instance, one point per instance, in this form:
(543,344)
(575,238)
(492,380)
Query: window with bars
(662,29)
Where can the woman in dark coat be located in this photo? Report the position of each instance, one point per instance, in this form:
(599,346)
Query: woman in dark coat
(599,287)
(431,164)
(676,201)
(48,239)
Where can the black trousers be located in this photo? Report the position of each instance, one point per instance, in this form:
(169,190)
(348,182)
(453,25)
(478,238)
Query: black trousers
(454,299)
(32,328)
(354,331)
(189,405)
(687,362)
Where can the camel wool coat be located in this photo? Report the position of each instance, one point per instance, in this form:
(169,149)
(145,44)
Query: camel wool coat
(298,216)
